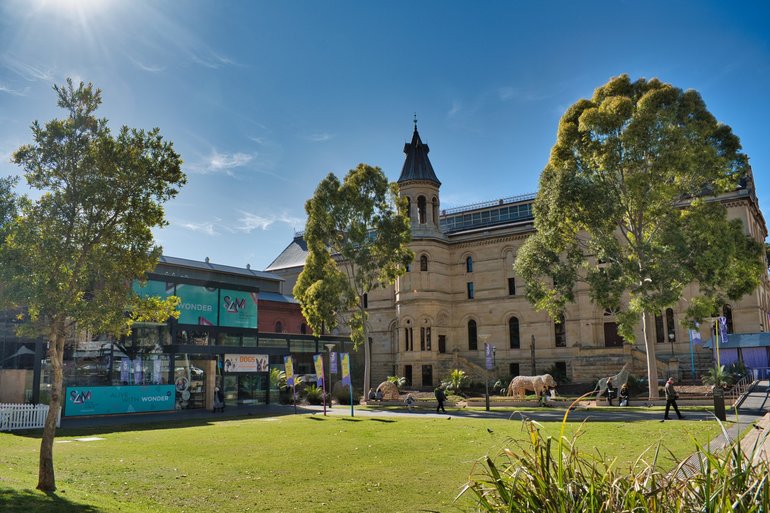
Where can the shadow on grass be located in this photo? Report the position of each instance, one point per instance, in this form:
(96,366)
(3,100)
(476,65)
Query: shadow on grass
(29,501)
(123,423)
(313,417)
(348,419)
(387,421)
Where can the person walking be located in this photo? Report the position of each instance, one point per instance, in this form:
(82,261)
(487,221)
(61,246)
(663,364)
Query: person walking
(440,398)
(219,400)
(671,397)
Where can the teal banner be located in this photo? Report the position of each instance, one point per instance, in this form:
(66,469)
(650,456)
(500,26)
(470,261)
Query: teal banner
(153,288)
(199,304)
(238,309)
(110,400)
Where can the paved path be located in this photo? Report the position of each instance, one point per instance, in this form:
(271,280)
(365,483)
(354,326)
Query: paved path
(756,404)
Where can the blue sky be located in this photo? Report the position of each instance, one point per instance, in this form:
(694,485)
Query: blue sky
(263,98)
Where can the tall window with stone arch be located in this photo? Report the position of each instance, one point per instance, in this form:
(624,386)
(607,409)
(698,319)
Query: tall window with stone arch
(409,207)
(473,342)
(611,336)
(560,332)
(469,264)
(671,328)
(435,210)
(424,263)
(421,210)
(513,333)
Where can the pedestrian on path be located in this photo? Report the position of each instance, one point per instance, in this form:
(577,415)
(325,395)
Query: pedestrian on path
(671,397)
(440,398)
(409,401)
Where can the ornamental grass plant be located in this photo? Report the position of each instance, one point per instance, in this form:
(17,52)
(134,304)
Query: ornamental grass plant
(542,474)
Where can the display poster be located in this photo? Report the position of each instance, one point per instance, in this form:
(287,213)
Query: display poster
(289,366)
(119,399)
(246,363)
(238,309)
(333,362)
(345,364)
(153,288)
(199,304)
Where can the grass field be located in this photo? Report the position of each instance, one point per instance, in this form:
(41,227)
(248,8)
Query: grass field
(292,463)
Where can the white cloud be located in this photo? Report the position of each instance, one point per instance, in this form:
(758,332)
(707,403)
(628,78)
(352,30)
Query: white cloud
(146,67)
(13,92)
(217,162)
(209,228)
(29,72)
(248,222)
(319,137)
(456,107)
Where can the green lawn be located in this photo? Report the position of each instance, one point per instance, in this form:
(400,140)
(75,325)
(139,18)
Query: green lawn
(292,463)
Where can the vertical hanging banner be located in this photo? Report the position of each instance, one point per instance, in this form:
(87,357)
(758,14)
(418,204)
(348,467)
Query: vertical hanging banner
(289,366)
(345,361)
(723,330)
(333,362)
(488,351)
(318,360)
(695,337)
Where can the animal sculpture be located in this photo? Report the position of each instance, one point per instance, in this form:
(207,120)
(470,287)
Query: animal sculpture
(520,384)
(618,381)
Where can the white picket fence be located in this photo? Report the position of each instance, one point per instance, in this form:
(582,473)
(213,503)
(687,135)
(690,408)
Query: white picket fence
(24,416)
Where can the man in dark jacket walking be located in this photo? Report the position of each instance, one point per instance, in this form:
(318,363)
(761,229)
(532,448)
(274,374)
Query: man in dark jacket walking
(440,397)
(671,396)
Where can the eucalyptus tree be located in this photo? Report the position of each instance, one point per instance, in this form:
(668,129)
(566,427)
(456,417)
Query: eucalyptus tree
(69,255)
(629,205)
(357,236)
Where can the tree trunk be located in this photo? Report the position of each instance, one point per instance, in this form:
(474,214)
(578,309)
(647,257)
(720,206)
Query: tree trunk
(46,478)
(652,361)
(367,356)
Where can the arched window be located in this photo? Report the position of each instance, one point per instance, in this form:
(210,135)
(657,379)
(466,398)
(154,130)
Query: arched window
(366,300)
(560,332)
(473,343)
(660,331)
(424,263)
(421,209)
(513,332)
(303,328)
(728,313)
(435,210)
(278,327)
(469,264)
(409,207)
(671,329)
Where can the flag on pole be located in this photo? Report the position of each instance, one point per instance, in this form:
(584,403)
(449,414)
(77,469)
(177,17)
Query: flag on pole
(318,360)
(333,362)
(695,337)
(722,330)
(345,361)
(289,366)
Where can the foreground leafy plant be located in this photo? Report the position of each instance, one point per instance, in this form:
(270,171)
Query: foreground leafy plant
(547,475)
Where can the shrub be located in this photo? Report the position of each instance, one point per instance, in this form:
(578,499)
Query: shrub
(399,381)
(559,375)
(550,476)
(718,377)
(314,395)
(342,394)
(455,382)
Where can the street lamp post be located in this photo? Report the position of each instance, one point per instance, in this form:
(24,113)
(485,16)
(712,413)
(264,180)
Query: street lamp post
(488,358)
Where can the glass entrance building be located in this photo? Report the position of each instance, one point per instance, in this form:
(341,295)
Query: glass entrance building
(176,365)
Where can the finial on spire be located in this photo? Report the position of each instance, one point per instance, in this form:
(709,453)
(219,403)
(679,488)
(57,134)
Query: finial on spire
(415,121)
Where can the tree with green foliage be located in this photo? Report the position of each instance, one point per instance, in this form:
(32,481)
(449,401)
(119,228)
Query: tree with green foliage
(69,256)
(628,206)
(357,234)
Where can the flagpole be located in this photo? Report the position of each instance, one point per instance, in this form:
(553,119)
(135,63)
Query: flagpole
(716,333)
(692,355)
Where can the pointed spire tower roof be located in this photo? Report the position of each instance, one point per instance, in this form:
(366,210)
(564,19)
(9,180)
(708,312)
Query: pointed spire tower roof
(417,165)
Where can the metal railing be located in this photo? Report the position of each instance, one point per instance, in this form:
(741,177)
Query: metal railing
(24,416)
(733,395)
